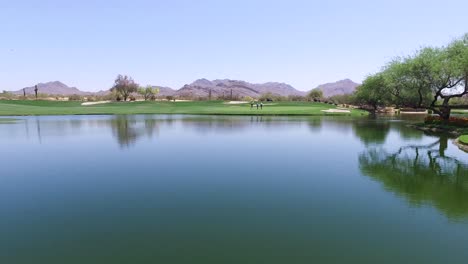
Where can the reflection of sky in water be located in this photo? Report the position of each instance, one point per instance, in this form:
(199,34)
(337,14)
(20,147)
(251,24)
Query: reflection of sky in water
(266,188)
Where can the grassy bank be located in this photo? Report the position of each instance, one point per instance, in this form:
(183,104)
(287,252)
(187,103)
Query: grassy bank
(464,139)
(19,108)
(462,142)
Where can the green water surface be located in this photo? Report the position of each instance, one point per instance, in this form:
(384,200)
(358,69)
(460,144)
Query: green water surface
(208,189)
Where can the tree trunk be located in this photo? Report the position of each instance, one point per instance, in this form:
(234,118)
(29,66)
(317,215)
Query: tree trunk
(420,98)
(375,108)
(445,110)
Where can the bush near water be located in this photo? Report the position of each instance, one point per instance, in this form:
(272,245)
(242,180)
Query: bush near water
(453,121)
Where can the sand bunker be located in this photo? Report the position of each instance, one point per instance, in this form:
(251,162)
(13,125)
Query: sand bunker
(95,103)
(237,102)
(336,111)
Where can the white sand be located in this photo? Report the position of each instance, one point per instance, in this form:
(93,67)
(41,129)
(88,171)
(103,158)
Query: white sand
(237,102)
(414,113)
(336,111)
(95,103)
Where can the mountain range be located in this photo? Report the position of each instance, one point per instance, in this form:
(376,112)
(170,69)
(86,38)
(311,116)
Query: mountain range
(345,86)
(56,88)
(203,87)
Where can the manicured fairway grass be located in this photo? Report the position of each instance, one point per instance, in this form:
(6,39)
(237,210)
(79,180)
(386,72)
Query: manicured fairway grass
(18,108)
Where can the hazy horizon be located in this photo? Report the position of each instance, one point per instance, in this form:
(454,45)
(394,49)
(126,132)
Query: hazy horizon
(304,44)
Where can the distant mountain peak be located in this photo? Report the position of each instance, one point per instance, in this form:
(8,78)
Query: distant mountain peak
(52,88)
(202,82)
(345,86)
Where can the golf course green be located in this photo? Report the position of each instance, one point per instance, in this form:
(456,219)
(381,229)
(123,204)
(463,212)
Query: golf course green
(42,107)
(464,139)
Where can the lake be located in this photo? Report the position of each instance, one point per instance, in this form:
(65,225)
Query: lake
(221,189)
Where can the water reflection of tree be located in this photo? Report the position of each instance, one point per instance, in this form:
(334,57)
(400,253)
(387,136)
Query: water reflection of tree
(409,132)
(38,126)
(371,132)
(423,174)
(128,130)
(233,124)
(151,127)
(315,124)
(207,124)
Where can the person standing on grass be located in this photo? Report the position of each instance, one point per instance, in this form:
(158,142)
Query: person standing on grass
(261,105)
(257,106)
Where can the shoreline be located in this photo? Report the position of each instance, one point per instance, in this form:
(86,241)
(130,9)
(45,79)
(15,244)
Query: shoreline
(452,131)
(460,145)
(206,114)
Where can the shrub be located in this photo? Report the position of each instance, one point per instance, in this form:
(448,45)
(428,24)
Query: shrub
(75,97)
(343,99)
(42,95)
(7,95)
(106,97)
(454,121)
(269,97)
(297,98)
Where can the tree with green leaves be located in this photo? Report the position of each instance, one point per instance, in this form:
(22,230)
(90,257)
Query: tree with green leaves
(428,79)
(373,92)
(451,77)
(315,94)
(405,79)
(149,92)
(347,99)
(124,86)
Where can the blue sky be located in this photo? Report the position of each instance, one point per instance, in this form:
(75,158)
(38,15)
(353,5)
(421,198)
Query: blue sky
(171,43)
